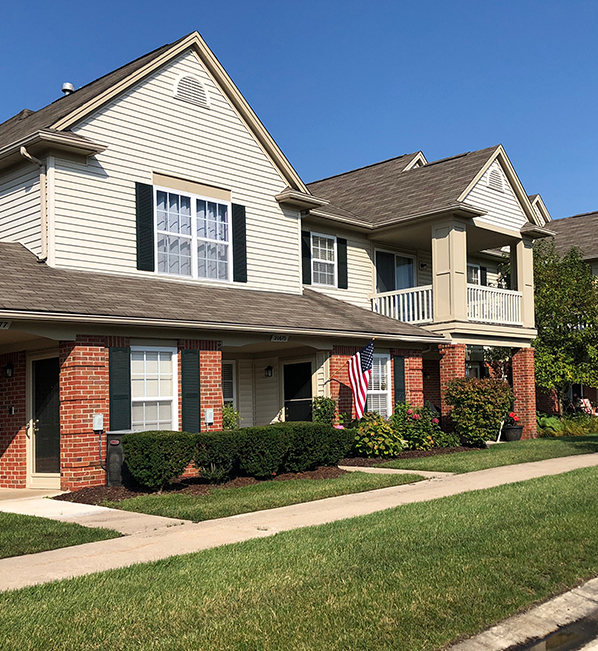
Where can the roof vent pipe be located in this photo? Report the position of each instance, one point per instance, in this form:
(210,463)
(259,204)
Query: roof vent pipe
(68,88)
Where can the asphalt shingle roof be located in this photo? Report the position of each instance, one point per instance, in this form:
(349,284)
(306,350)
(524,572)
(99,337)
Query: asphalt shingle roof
(383,191)
(580,231)
(30,286)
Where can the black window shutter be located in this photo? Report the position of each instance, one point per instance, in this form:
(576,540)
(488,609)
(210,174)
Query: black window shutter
(483,276)
(341,250)
(399,378)
(119,360)
(239,244)
(191,408)
(144,206)
(385,271)
(306,256)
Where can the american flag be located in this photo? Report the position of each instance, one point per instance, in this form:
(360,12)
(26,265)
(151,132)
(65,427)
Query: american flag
(360,370)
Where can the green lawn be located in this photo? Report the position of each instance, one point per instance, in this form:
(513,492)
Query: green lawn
(222,502)
(503,454)
(25,534)
(413,578)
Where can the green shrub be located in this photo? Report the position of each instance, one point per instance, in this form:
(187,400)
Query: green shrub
(479,406)
(549,426)
(154,459)
(374,437)
(323,410)
(446,439)
(315,444)
(417,426)
(217,454)
(230,417)
(264,450)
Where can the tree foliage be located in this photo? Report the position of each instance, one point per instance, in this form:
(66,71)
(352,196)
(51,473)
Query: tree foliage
(566,300)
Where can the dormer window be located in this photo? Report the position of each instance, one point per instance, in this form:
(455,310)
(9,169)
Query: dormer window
(190,89)
(495,180)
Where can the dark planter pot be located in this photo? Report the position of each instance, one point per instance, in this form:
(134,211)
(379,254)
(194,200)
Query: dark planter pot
(511,433)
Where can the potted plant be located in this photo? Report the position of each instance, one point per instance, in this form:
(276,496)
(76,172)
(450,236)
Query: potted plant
(511,430)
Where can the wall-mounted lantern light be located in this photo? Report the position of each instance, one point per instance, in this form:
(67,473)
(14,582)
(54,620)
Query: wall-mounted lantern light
(268,371)
(8,370)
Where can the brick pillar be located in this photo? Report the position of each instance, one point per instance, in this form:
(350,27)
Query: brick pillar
(13,436)
(210,379)
(340,388)
(431,371)
(524,388)
(452,366)
(414,376)
(83,392)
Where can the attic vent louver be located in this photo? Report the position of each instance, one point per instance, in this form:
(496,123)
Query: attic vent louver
(495,180)
(190,89)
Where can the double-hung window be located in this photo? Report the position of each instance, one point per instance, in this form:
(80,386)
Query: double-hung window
(379,394)
(228,384)
(154,404)
(193,236)
(323,260)
(473,273)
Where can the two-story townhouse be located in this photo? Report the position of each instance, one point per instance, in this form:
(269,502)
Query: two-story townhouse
(424,244)
(151,255)
(161,256)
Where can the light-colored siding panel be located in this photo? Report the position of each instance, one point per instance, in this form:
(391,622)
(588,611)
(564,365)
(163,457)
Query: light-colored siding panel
(267,392)
(148,130)
(20,208)
(503,208)
(424,268)
(245,387)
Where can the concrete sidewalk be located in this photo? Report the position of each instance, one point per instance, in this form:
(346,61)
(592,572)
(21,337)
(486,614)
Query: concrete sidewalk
(161,543)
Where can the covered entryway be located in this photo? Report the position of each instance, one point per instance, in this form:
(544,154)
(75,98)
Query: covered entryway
(297,391)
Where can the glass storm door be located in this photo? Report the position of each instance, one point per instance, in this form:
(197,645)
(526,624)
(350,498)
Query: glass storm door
(46,416)
(297,391)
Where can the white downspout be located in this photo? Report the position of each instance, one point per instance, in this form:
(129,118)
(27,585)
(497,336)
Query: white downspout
(43,202)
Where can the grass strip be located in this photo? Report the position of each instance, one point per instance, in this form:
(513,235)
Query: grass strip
(503,454)
(27,534)
(413,578)
(223,502)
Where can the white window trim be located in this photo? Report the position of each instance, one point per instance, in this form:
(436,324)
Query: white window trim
(175,380)
(415,278)
(311,243)
(233,365)
(388,390)
(193,237)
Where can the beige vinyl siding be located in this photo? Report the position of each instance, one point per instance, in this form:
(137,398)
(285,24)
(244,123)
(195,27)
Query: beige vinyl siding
(267,392)
(503,208)
(245,391)
(424,276)
(20,208)
(148,130)
(322,371)
(360,269)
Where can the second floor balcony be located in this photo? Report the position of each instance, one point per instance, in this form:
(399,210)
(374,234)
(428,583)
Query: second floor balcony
(484,305)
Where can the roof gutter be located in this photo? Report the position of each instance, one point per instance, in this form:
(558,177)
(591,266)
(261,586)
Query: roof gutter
(42,202)
(141,321)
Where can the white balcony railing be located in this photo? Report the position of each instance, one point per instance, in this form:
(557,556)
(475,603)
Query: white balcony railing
(493,305)
(413,305)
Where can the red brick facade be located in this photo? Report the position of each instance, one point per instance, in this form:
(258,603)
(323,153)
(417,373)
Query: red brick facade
(452,366)
(13,437)
(431,371)
(414,378)
(524,388)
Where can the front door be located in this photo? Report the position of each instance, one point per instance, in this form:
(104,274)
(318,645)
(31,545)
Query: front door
(44,428)
(297,391)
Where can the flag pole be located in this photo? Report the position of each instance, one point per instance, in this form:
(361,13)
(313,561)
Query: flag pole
(341,369)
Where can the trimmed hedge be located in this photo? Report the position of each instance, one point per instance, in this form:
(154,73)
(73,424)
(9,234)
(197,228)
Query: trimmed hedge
(156,458)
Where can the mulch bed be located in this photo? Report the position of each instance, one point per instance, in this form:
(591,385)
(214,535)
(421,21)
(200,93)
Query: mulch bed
(408,454)
(193,486)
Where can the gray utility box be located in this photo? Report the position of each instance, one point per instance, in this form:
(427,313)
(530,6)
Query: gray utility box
(115,457)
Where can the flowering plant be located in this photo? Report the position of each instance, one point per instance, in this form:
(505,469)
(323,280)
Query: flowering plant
(511,419)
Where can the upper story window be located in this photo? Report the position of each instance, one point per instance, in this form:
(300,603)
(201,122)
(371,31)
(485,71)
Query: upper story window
(153,389)
(394,271)
(473,274)
(192,236)
(379,395)
(323,259)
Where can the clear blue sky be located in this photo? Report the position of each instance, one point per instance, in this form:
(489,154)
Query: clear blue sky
(342,84)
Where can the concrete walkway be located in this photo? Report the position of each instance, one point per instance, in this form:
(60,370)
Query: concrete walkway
(157,543)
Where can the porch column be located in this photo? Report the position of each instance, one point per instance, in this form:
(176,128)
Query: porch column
(83,392)
(414,377)
(522,278)
(13,423)
(449,268)
(340,388)
(524,388)
(452,366)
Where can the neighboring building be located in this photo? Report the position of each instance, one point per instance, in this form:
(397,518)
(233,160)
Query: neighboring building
(161,256)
